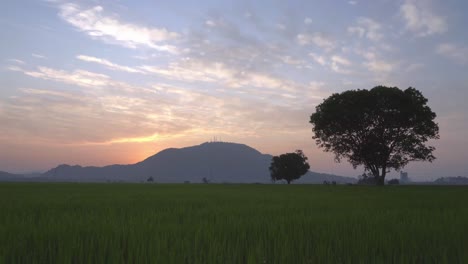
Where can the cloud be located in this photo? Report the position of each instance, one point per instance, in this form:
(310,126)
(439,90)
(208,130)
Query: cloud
(366,27)
(191,71)
(16,61)
(216,72)
(228,82)
(307,21)
(210,23)
(38,56)
(380,66)
(89,118)
(420,19)
(315,85)
(318,58)
(79,77)
(93,22)
(318,39)
(340,60)
(375,64)
(63,117)
(338,63)
(454,52)
(352,2)
(280,26)
(142,139)
(108,64)
(48,93)
(291,61)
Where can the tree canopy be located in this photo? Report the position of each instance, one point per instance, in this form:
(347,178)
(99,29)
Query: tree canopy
(289,166)
(381,129)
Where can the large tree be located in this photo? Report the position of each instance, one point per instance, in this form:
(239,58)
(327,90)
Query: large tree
(289,166)
(381,129)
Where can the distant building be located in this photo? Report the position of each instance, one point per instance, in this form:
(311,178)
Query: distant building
(404,177)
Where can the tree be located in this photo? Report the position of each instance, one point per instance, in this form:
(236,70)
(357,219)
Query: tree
(289,166)
(150,179)
(381,129)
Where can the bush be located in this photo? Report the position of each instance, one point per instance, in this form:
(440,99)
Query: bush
(393,182)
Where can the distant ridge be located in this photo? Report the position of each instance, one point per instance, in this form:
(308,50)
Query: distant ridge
(459,180)
(218,162)
(10,177)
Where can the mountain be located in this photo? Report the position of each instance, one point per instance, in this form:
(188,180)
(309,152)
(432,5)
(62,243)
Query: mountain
(219,162)
(10,177)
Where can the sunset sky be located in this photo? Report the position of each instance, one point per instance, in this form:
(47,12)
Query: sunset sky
(103,82)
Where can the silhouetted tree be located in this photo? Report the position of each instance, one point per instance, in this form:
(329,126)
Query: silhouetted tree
(150,179)
(205,180)
(381,129)
(289,166)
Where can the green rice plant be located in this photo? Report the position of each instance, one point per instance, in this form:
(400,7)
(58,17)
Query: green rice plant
(156,223)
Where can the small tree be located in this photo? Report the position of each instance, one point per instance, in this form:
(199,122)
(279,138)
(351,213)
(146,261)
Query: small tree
(366,179)
(381,129)
(150,179)
(289,166)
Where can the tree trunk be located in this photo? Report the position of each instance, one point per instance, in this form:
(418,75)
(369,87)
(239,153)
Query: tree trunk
(381,180)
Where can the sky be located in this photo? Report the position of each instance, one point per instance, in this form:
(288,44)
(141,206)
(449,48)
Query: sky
(102,82)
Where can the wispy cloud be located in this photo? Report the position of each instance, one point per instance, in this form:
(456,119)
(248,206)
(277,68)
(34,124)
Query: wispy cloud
(82,78)
(318,58)
(48,92)
(375,63)
(379,66)
(319,39)
(217,72)
(142,139)
(420,18)
(454,52)
(338,64)
(291,61)
(210,23)
(16,61)
(367,27)
(96,24)
(38,56)
(78,77)
(108,64)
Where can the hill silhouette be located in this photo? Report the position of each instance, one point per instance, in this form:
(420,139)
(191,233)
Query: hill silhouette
(219,162)
(10,177)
